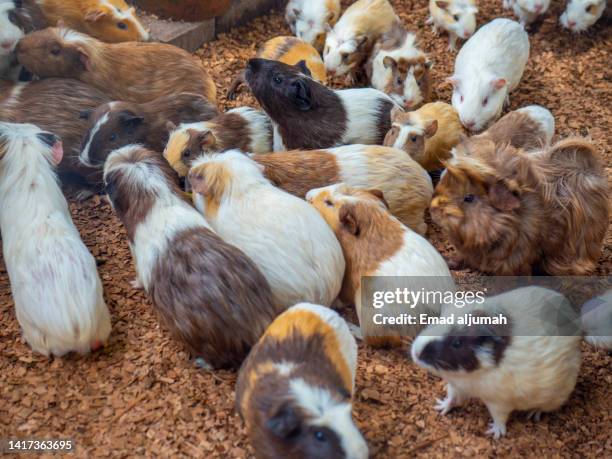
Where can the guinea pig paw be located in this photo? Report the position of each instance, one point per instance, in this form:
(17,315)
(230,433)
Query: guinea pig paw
(355,331)
(534,415)
(444,406)
(202,364)
(136,284)
(84,195)
(496,430)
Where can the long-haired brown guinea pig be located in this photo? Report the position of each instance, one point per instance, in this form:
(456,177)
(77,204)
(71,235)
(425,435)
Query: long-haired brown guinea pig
(133,72)
(208,293)
(508,212)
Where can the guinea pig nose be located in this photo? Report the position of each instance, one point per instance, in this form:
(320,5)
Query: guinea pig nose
(7,44)
(408,103)
(48,139)
(466,34)
(538,8)
(469,124)
(571,24)
(97,344)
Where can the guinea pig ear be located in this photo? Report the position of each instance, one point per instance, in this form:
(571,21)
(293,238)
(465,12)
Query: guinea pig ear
(442,4)
(396,111)
(94,15)
(389,62)
(502,198)
(301,95)
(283,420)
(499,83)
(130,120)
(84,59)
(303,68)
(170,126)
(197,179)
(207,140)
(85,114)
(328,27)
(381,197)
(348,219)
(431,127)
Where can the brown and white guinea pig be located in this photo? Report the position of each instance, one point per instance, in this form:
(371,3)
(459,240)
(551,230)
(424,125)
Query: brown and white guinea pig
(201,287)
(116,124)
(349,43)
(427,134)
(285,237)
(308,115)
(310,20)
(54,279)
(399,68)
(290,51)
(294,389)
(242,128)
(112,21)
(31,102)
(530,128)
(133,72)
(456,17)
(374,243)
(508,212)
(526,364)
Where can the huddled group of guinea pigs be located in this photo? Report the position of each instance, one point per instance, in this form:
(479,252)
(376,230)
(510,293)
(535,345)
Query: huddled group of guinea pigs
(247,226)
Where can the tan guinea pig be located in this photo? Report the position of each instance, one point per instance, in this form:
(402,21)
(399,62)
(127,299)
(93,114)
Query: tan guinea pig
(131,72)
(427,134)
(112,21)
(290,51)
(375,243)
(294,390)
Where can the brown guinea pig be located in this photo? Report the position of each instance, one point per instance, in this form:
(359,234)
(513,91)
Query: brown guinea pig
(508,212)
(55,105)
(208,293)
(294,389)
(134,72)
(117,124)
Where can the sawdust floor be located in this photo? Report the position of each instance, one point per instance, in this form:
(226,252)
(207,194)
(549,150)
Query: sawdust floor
(140,396)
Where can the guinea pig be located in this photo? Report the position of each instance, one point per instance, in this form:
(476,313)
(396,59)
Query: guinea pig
(508,212)
(527,11)
(427,134)
(596,317)
(116,124)
(509,366)
(286,238)
(241,128)
(488,67)
(400,69)
(456,17)
(309,20)
(406,185)
(307,115)
(290,51)
(17,18)
(54,279)
(294,389)
(349,43)
(131,72)
(30,102)
(579,15)
(112,21)
(530,128)
(374,243)
(208,293)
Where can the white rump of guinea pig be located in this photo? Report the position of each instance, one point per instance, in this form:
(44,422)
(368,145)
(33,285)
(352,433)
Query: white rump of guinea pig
(582,14)
(54,278)
(528,364)
(310,20)
(457,17)
(488,67)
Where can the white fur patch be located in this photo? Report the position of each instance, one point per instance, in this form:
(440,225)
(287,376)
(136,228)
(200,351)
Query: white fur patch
(362,107)
(84,156)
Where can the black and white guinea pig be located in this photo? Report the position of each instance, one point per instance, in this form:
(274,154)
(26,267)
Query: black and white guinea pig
(527,363)
(294,390)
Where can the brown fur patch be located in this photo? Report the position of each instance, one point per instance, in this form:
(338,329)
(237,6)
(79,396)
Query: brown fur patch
(210,180)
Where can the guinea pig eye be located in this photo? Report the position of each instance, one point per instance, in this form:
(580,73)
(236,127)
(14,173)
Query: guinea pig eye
(56,51)
(345,57)
(12,17)
(468,198)
(457,343)
(320,436)
(187,153)
(461,99)
(328,203)
(277,79)
(399,80)
(485,101)
(456,17)
(112,137)
(122,25)
(413,138)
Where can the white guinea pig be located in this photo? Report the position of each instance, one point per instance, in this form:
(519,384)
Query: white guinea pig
(286,238)
(457,17)
(309,20)
(526,364)
(54,278)
(582,14)
(527,11)
(488,67)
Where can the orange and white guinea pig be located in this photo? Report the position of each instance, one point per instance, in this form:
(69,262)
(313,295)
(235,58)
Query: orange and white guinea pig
(294,390)
(374,243)
(112,21)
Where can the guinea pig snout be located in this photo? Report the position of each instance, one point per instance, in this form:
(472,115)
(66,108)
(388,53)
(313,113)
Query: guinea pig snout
(7,45)
(48,139)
